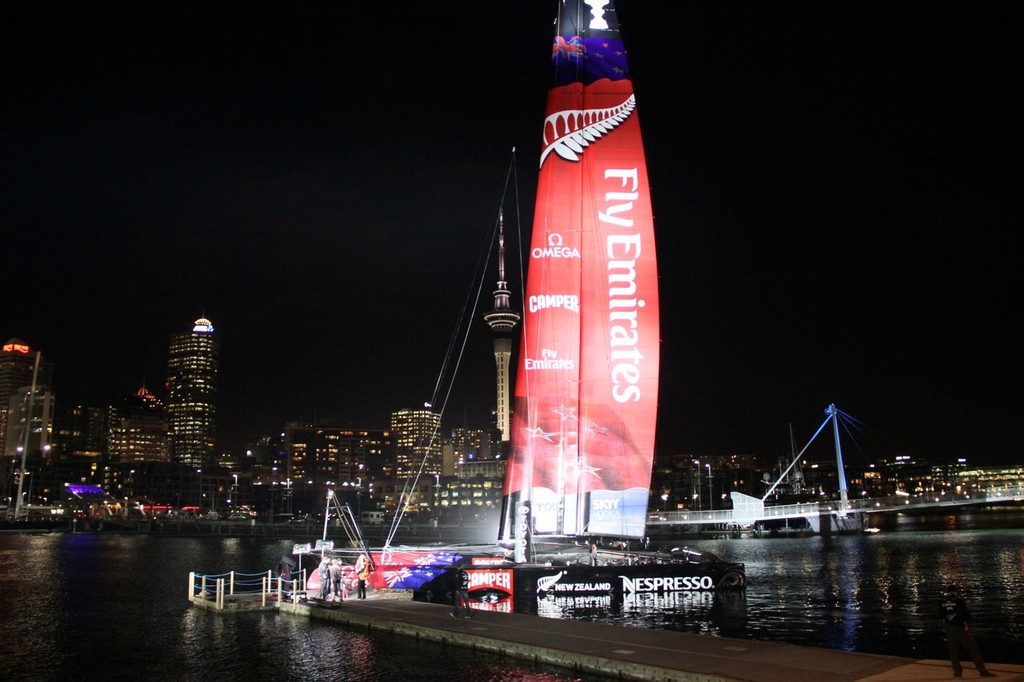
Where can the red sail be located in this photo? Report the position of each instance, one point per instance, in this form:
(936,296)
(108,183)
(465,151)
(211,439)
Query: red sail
(587,382)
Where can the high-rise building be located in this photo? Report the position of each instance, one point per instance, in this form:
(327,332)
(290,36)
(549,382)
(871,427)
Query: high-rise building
(138,430)
(345,460)
(193,371)
(502,321)
(417,438)
(17,365)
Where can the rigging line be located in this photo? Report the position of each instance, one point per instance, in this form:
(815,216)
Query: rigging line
(464,322)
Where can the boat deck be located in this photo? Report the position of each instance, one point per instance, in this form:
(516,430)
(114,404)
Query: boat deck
(628,652)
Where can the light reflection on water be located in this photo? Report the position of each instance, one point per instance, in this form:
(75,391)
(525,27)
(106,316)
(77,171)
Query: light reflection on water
(115,607)
(88,604)
(871,593)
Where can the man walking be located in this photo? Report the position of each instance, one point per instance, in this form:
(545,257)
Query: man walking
(956,620)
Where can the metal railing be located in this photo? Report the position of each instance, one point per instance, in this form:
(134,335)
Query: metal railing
(233,585)
(743,516)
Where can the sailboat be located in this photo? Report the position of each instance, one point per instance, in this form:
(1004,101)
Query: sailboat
(583,423)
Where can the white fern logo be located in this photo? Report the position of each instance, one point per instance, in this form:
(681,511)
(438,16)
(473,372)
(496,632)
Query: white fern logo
(544,584)
(568,133)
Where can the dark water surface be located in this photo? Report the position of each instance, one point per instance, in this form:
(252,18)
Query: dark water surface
(115,606)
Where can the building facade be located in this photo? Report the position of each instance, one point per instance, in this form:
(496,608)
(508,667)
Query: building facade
(417,439)
(193,375)
(139,430)
(17,366)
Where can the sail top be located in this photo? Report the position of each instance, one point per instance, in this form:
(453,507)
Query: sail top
(588,46)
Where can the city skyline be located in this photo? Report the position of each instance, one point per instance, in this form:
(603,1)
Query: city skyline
(830,186)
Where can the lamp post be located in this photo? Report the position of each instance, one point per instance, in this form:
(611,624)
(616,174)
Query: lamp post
(711,494)
(696,486)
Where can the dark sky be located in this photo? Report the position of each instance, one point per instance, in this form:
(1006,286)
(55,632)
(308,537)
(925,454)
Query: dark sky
(835,187)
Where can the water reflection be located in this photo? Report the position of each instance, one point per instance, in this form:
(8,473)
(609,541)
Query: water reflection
(93,604)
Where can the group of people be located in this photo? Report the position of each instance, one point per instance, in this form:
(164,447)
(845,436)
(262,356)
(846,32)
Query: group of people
(333,582)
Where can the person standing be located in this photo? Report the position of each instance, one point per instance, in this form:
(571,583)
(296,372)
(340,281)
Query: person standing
(362,575)
(324,574)
(461,593)
(334,570)
(593,554)
(956,620)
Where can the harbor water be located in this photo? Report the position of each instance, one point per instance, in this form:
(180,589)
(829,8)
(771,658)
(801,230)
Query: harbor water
(113,605)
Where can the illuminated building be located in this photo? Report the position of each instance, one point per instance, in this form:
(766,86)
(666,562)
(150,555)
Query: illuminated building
(343,459)
(417,440)
(502,321)
(138,430)
(193,368)
(16,363)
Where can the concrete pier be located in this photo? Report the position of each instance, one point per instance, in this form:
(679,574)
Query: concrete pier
(629,653)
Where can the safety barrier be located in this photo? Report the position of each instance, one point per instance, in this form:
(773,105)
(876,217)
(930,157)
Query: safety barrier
(244,587)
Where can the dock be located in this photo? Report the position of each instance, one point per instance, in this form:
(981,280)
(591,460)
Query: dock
(616,651)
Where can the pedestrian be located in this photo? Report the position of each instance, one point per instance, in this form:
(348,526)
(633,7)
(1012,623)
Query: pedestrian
(956,620)
(593,554)
(461,592)
(362,575)
(334,570)
(324,574)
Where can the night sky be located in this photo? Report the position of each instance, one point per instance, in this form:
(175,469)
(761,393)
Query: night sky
(834,187)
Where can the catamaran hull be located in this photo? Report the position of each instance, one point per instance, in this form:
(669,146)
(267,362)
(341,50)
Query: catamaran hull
(520,588)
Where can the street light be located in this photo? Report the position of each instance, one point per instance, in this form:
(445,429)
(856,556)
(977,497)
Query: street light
(696,485)
(711,495)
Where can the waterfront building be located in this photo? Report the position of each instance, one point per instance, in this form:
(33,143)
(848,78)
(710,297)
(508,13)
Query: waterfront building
(193,376)
(82,431)
(138,430)
(17,364)
(502,320)
(417,442)
(343,459)
(467,445)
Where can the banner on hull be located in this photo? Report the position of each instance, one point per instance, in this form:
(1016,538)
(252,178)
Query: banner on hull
(587,383)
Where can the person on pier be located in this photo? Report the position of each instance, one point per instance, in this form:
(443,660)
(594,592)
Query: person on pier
(956,620)
(362,575)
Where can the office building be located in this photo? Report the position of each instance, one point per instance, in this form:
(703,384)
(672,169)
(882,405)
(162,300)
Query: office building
(193,369)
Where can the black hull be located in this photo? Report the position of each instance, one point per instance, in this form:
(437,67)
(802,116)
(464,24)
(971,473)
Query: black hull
(519,587)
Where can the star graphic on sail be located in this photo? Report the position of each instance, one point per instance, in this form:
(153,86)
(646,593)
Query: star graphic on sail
(565,412)
(540,433)
(583,469)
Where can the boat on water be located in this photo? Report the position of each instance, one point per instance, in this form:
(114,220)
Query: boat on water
(583,421)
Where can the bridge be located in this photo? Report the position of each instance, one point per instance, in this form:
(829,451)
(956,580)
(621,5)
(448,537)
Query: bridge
(748,511)
(842,515)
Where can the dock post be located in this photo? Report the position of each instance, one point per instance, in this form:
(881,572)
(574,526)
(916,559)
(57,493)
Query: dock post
(202,586)
(191,586)
(232,592)
(220,593)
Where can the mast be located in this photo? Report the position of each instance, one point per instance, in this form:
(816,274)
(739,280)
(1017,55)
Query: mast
(26,435)
(583,420)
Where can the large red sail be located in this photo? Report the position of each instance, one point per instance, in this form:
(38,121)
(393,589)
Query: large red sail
(587,386)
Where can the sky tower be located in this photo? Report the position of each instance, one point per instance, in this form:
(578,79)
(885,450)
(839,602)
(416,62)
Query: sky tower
(502,321)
